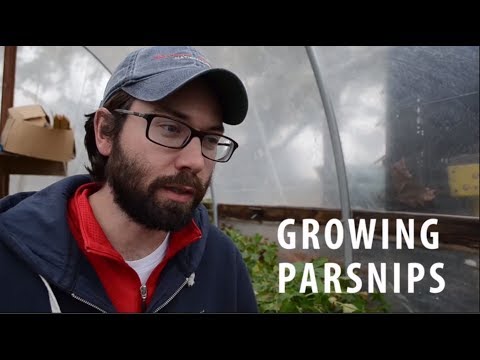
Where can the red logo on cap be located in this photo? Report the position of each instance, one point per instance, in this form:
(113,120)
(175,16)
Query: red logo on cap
(182,55)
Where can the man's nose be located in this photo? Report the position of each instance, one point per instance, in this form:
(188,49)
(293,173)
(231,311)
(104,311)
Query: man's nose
(190,157)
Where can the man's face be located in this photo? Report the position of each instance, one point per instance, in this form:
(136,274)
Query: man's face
(159,187)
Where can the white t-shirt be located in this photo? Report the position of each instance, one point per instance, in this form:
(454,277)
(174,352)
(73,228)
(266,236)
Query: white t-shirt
(146,265)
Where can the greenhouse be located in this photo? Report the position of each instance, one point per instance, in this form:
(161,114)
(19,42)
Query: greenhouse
(335,139)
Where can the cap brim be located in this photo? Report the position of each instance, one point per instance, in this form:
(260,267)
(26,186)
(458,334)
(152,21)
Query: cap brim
(226,85)
(231,93)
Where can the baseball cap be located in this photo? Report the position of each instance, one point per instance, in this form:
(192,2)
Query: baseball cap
(152,73)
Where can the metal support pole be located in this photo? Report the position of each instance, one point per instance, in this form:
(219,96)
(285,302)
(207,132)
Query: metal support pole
(214,205)
(337,154)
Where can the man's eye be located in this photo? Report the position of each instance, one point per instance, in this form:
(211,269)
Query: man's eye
(213,140)
(170,128)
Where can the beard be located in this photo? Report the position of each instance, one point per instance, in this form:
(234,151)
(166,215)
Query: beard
(137,199)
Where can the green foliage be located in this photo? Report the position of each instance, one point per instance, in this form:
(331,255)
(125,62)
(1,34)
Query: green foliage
(261,258)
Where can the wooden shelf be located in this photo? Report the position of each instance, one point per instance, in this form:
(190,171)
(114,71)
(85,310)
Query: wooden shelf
(11,164)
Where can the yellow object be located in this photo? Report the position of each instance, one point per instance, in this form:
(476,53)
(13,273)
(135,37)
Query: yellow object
(463,180)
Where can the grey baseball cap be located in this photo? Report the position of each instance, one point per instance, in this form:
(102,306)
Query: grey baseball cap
(152,73)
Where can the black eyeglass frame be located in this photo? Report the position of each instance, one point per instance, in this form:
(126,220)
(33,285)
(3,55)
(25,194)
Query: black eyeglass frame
(193,132)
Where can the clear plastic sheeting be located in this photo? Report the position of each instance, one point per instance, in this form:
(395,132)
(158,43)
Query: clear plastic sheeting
(283,142)
(407,116)
(285,155)
(355,79)
(432,122)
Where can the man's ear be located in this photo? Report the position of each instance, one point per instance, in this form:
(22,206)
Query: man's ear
(102,123)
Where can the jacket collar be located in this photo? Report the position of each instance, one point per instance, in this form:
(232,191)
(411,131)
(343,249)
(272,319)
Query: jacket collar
(35,227)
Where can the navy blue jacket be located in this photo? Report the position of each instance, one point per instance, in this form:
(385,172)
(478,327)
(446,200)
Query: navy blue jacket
(42,268)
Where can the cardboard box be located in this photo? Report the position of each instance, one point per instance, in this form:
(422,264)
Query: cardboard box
(34,114)
(30,145)
(28,132)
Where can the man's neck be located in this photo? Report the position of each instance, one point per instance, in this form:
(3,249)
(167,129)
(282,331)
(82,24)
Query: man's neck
(130,239)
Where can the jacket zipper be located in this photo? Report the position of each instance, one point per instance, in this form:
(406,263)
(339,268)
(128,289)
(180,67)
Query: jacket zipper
(143,294)
(88,303)
(172,296)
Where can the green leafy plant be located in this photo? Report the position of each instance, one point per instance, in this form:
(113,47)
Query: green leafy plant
(261,258)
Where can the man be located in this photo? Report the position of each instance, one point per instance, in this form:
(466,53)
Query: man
(133,236)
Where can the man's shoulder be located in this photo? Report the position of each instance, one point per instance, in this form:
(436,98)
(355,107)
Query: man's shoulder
(62,188)
(221,242)
(22,288)
(218,235)
(214,234)
(11,200)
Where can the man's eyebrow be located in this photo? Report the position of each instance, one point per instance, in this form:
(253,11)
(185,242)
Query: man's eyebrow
(164,109)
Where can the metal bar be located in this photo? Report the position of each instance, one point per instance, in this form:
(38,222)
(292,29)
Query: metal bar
(337,154)
(214,205)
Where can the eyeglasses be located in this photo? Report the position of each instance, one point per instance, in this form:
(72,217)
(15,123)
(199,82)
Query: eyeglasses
(174,134)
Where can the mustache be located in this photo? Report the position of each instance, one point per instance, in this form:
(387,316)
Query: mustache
(183,178)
